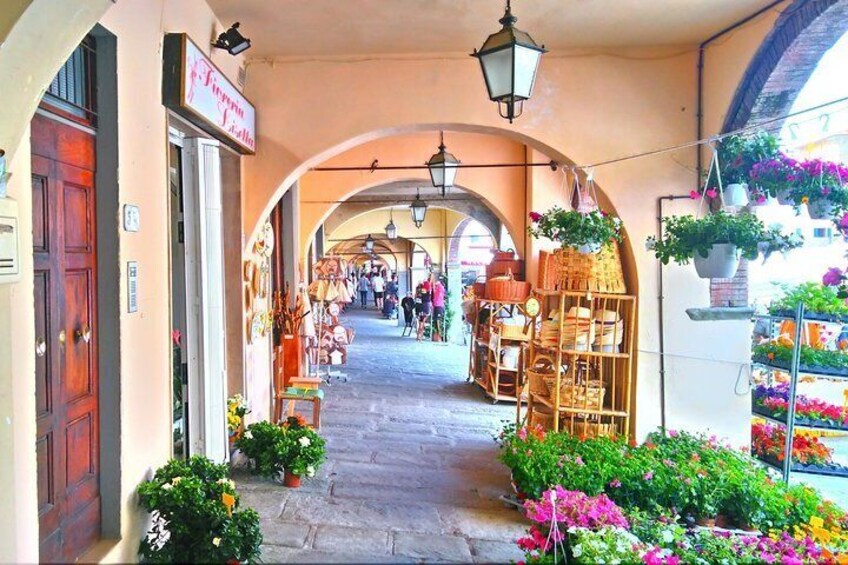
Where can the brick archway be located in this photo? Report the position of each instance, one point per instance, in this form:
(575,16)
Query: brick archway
(786,59)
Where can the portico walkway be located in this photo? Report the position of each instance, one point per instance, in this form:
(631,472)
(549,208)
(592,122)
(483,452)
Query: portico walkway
(411,472)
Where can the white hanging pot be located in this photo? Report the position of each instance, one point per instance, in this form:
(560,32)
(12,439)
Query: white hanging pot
(736,194)
(721,262)
(589,248)
(820,209)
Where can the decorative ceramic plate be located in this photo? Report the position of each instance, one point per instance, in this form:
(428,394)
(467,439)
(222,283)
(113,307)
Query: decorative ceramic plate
(257,326)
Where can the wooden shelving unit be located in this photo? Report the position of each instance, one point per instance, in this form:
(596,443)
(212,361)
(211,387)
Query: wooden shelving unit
(488,341)
(585,343)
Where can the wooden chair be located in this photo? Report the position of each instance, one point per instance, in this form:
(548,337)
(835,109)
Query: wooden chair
(294,395)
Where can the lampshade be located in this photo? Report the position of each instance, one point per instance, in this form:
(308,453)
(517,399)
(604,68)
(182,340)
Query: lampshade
(509,60)
(419,210)
(369,243)
(443,167)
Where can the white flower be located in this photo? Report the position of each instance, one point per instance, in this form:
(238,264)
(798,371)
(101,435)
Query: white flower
(167,486)
(216,542)
(224,481)
(668,536)
(175,481)
(248,435)
(577,551)
(304,441)
(310,471)
(616,561)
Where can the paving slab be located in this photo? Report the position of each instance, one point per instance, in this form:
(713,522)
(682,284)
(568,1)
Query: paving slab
(340,539)
(487,551)
(279,532)
(448,548)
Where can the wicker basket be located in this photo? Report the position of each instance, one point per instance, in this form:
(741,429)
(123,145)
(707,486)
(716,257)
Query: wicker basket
(589,395)
(542,367)
(587,429)
(510,331)
(507,289)
(566,269)
(480,290)
(542,416)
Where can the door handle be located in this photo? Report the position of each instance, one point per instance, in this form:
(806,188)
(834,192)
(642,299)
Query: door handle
(62,338)
(40,347)
(84,333)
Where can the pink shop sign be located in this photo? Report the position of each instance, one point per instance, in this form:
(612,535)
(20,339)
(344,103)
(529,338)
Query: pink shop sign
(196,89)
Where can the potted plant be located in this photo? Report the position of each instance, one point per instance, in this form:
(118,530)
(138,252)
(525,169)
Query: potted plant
(715,242)
(737,155)
(586,232)
(236,411)
(263,443)
(196,516)
(820,187)
(820,301)
(303,451)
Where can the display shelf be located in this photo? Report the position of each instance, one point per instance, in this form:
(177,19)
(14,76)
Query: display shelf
(801,423)
(808,316)
(826,372)
(790,422)
(595,386)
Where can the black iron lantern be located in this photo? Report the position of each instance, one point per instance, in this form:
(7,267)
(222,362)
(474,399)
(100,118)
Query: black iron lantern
(233,41)
(509,59)
(443,167)
(369,243)
(391,228)
(419,210)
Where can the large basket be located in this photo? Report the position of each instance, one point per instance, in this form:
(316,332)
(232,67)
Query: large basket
(542,368)
(566,269)
(542,416)
(511,331)
(589,395)
(507,289)
(583,428)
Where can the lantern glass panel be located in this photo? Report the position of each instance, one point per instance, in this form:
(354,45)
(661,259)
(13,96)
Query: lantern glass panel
(526,64)
(497,66)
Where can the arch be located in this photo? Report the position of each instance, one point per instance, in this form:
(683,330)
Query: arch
(785,60)
(453,248)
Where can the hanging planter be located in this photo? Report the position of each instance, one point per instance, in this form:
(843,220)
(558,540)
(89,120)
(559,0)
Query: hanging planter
(821,209)
(736,194)
(715,242)
(720,262)
(589,248)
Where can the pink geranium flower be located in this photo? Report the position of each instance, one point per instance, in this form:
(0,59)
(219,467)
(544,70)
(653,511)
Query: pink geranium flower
(832,277)
(694,194)
(535,216)
(712,193)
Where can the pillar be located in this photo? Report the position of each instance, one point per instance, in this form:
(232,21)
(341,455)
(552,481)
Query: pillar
(454,302)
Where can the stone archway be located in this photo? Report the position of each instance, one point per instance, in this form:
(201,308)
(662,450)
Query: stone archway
(785,60)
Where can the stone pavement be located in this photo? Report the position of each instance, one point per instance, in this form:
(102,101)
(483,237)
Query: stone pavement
(411,472)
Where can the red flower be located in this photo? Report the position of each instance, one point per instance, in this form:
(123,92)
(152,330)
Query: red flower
(535,216)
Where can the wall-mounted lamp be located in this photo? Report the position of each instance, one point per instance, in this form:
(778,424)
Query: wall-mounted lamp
(233,41)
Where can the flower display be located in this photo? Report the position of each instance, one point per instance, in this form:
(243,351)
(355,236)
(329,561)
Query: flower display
(571,228)
(237,409)
(768,441)
(774,402)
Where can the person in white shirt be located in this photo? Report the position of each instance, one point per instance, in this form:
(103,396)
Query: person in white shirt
(378,285)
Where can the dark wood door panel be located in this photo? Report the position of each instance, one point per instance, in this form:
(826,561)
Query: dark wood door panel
(40,203)
(79,344)
(62,143)
(43,355)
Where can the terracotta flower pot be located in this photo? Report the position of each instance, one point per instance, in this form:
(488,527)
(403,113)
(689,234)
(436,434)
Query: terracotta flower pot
(291,480)
(706,522)
(722,521)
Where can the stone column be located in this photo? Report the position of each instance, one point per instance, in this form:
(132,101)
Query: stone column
(454,302)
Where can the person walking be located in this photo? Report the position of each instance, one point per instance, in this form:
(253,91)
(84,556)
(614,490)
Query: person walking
(378,285)
(439,293)
(364,287)
(408,307)
(426,307)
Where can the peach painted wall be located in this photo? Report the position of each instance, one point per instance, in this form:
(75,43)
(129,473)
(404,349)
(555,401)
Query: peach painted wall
(143,180)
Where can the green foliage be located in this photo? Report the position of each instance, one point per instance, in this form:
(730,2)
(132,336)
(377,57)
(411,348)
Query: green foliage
(304,449)
(781,355)
(264,444)
(191,521)
(673,473)
(573,229)
(684,236)
(816,298)
(737,154)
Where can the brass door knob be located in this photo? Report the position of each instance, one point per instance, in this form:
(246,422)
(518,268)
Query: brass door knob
(62,337)
(84,333)
(40,347)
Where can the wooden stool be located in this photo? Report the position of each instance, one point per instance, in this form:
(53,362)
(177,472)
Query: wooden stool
(293,395)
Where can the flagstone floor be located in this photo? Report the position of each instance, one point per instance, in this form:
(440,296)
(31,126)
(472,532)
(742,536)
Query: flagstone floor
(411,472)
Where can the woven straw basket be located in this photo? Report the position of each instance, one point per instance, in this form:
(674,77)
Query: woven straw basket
(588,429)
(543,367)
(590,395)
(566,269)
(507,289)
(542,416)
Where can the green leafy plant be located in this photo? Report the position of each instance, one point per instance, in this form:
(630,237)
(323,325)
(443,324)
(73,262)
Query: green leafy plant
(685,236)
(264,444)
(737,154)
(816,297)
(303,449)
(574,229)
(196,516)
(777,354)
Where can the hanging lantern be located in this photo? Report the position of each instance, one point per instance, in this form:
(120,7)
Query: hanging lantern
(391,228)
(443,167)
(509,59)
(369,243)
(419,210)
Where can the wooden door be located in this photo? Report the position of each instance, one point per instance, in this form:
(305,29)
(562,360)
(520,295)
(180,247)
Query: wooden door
(65,255)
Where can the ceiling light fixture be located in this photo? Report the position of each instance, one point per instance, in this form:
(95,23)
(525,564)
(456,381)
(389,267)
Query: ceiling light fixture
(443,167)
(369,243)
(419,210)
(233,41)
(391,228)
(509,59)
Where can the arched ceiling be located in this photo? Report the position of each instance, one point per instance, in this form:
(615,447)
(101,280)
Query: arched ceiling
(399,195)
(295,28)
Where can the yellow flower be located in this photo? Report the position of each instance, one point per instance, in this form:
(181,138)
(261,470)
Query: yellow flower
(805,199)
(815,521)
(216,542)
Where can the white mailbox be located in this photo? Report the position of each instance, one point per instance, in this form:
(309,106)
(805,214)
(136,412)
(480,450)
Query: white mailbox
(10,263)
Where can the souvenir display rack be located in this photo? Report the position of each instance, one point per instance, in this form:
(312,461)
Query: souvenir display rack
(488,346)
(795,369)
(580,363)
(329,290)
